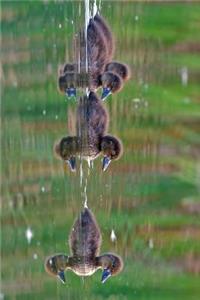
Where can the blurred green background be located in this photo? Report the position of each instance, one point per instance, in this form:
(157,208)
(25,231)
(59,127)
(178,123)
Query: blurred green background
(150,197)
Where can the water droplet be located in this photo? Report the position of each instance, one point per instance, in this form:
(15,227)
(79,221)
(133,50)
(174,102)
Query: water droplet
(1,296)
(43,189)
(29,234)
(35,256)
(186,100)
(113,236)
(184,75)
(151,243)
(60,25)
(136,100)
(44,112)
(56,117)
(136,18)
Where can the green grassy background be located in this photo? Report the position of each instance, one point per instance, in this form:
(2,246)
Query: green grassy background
(150,197)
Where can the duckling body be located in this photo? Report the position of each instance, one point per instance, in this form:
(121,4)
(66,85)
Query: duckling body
(92,123)
(103,26)
(98,53)
(84,241)
(91,138)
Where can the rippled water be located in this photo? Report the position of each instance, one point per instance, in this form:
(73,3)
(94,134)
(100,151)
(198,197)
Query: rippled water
(147,203)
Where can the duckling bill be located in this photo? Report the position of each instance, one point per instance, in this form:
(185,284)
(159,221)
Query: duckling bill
(85,242)
(91,138)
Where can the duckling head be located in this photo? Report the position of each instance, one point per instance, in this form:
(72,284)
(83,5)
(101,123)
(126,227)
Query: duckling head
(120,69)
(67,84)
(111,264)
(111,83)
(66,149)
(111,148)
(69,68)
(55,265)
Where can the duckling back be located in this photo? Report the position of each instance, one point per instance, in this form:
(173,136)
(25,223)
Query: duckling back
(103,26)
(92,122)
(98,54)
(85,238)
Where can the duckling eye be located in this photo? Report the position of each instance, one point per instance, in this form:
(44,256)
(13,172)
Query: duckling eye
(113,265)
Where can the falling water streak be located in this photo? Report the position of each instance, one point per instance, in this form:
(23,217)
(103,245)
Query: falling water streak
(79,9)
(85,194)
(99,6)
(87,91)
(95,9)
(89,165)
(81,173)
(79,59)
(87,18)
(88,161)
(83,280)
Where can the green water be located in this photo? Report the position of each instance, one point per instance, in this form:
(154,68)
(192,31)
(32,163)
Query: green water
(150,197)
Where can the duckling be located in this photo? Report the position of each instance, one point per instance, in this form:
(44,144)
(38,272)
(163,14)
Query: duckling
(91,138)
(97,57)
(85,242)
(102,71)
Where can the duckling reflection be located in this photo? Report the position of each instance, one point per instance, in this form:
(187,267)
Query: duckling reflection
(97,57)
(85,242)
(102,72)
(91,139)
